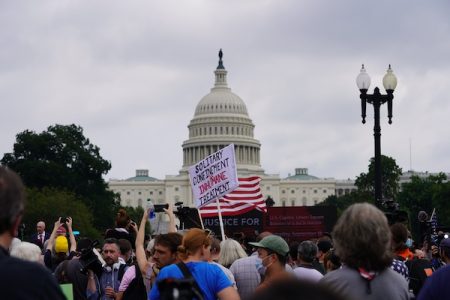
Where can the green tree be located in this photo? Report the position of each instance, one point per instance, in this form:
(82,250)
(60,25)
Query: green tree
(426,194)
(344,201)
(390,178)
(48,204)
(62,157)
(135,213)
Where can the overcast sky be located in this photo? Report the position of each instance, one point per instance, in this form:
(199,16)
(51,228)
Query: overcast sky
(131,73)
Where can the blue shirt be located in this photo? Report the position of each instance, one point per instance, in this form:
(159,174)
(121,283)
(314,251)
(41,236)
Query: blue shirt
(109,277)
(437,285)
(210,278)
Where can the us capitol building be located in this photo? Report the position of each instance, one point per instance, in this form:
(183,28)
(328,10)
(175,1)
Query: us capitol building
(221,118)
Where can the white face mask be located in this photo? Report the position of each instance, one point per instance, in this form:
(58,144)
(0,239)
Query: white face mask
(409,243)
(259,265)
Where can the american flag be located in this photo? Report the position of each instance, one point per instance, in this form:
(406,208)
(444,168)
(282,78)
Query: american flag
(246,197)
(434,225)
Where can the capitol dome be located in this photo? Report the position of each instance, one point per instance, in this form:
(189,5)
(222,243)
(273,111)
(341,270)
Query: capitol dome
(221,100)
(220,119)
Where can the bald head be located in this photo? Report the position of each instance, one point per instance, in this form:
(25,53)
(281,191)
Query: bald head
(263,235)
(40,227)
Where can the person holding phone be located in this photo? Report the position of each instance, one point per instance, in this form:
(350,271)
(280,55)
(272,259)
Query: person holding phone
(122,229)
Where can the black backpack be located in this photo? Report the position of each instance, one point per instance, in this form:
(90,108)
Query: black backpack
(419,271)
(136,289)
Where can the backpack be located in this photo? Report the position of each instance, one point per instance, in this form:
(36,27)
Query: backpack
(136,289)
(419,271)
(122,269)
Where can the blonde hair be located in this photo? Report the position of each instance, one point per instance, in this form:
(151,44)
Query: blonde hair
(193,240)
(230,250)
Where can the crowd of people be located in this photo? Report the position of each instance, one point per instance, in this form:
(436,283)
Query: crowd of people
(363,258)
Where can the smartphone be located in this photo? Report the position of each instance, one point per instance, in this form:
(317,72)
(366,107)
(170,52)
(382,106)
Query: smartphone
(160,207)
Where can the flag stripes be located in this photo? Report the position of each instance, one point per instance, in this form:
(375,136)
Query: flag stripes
(246,197)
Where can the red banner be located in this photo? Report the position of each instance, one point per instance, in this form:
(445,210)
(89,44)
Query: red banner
(300,223)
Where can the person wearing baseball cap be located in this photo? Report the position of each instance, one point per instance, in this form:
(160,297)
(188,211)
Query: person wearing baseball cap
(273,251)
(444,250)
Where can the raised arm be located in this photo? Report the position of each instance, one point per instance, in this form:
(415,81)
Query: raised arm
(51,239)
(140,251)
(73,242)
(169,212)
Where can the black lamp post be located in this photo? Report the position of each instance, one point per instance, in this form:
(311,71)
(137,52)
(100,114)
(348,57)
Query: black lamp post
(377,99)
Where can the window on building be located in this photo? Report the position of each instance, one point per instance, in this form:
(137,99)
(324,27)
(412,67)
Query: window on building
(268,188)
(151,192)
(140,202)
(128,193)
(315,191)
(304,202)
(324,191)
(304,191)
(176,189)
(292,202)
(160,192)
(139,193)
(292,192)
(283,203)
(283,192)
(315,202)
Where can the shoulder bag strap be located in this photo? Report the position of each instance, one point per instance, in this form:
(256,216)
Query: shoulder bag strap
(187,274)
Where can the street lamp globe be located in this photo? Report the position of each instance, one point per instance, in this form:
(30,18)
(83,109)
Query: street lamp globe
(389,80)
(363,79)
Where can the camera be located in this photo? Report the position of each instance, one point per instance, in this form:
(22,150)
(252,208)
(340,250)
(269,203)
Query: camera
(90,259)
(64,220)
(179,289)
(393,213)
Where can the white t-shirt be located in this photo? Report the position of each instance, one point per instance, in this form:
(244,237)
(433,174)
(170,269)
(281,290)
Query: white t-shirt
(308,274)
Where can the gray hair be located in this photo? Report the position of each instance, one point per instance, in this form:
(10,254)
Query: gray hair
(230,250)
(307,251)
(362,238)
(27,251)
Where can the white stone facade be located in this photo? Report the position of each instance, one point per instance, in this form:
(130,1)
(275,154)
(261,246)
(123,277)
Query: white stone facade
(221,118)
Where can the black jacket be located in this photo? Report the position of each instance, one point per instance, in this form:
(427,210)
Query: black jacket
(25,280)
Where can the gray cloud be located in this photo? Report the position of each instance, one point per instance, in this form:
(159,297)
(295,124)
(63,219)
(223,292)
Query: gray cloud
(132,73)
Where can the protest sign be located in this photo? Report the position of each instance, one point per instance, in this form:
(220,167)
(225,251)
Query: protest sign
(214,176)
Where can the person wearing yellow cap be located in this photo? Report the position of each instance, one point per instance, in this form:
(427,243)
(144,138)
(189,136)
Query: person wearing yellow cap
(59,243)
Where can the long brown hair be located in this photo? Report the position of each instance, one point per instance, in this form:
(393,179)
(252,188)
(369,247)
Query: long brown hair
(122,218)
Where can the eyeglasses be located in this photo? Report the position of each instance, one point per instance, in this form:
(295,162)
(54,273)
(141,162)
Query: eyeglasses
(208,233)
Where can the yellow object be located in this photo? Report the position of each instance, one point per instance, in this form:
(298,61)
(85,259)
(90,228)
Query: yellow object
(61,244)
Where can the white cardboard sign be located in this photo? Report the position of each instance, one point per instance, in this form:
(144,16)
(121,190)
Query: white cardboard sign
(214,176)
